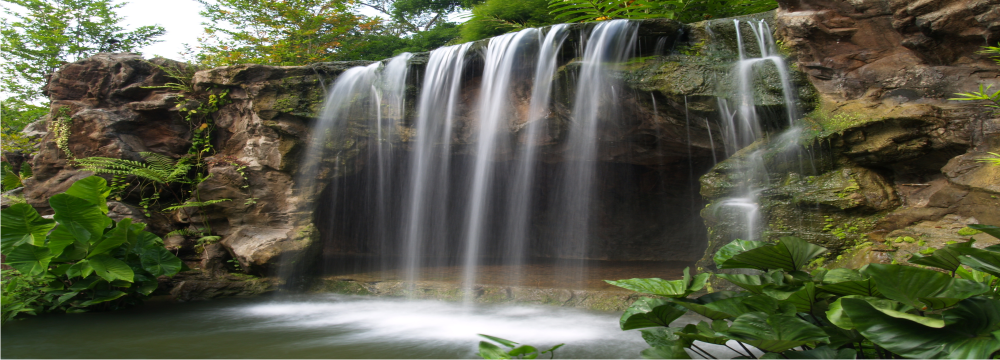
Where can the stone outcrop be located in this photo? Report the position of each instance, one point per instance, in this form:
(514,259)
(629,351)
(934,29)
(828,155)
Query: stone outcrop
(889,155)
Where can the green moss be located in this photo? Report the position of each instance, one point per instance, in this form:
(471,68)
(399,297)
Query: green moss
(967,231)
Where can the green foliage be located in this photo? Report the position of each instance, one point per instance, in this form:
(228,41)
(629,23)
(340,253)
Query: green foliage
(681,10)
(15,115)
(41,35)
(497,17)
(157,174)
(275,32)
(10,179)
(984,92)
(878,311)
(492,351)
(82,260)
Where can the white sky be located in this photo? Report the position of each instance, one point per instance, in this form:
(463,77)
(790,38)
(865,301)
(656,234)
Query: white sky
(179,17)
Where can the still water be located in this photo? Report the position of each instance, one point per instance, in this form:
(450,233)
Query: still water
(314,326)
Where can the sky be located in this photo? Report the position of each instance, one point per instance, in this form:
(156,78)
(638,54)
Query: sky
(179,17)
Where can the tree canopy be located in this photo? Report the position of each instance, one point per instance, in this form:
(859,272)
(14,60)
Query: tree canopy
(41,35)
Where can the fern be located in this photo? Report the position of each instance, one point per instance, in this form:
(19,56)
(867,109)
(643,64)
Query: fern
(158,168)
(195,204)
(597,10)
(995,160)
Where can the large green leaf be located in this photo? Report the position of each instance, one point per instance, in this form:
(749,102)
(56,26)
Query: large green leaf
(21,224)
(111,269)
(922,288)
(944,258)
(848,282)
(733,248)
(94,189)
(753,283)
(979,259)
(83,219)
(667,288)
(774,333)
(789,254)
(805,299)
(160,261)
(103,296)
(968,333)
(989,229)
(718,305)
(29,259)
(59,239)
(112,240)
(649,312)
(713,333)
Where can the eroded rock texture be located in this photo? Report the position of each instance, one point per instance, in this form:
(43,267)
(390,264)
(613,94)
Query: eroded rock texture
(889,153)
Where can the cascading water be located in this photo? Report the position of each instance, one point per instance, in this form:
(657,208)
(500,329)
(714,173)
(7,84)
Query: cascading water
(510,159)
(429,189)
(742,124)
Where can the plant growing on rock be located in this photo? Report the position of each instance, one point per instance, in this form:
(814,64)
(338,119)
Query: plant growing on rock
(81,259)
(878,311)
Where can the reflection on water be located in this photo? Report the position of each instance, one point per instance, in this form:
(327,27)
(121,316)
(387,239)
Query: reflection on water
(314,326)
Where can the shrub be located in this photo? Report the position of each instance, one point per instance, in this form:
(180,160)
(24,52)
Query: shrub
(885,311)
(81,260)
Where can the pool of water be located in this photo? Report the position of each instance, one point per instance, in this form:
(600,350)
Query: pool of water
(314,326)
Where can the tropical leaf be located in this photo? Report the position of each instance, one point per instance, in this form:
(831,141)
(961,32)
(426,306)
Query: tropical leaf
(789,254)
(921,288)
(946,258)
(753,283)
(968,333)
(774,333)
(805,299)
(159,261)
(111,269)
(848,282)
(103,296)
(29,259)
(657,286)
(93,189)
(21,224)
(992,230)
(717,305)
(85,220)
(649,312)
(112,240)
(734,248)
(713,333)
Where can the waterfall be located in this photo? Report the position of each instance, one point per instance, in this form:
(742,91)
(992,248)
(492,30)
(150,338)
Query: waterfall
(610,41)
(514,159)
(426,202)
(742,124)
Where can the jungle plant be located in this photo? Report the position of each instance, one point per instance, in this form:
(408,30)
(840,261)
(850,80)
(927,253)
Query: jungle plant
(80,260)
(681,10)
(157,174)
(984,92)
(878,311)
(10,179)
(489,350)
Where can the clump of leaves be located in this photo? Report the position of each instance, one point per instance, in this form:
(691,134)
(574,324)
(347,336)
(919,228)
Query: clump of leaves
(878,311)
(10,179)
(681,10)
(81,259)
(489,350)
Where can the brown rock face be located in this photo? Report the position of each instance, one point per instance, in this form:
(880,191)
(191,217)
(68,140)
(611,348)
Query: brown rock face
(882,49)
(892,156)
(97,98)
